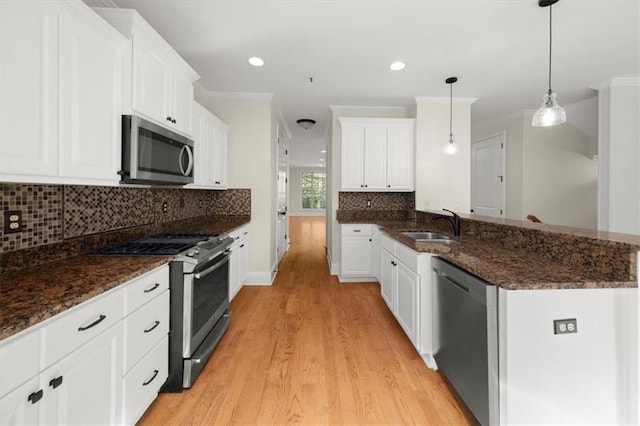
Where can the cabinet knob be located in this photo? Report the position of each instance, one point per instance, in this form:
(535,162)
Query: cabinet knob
(388,186)
(35,397)
(168,118)
(217,182)
(370,239)
(366,186)
(54,383)
(173,121)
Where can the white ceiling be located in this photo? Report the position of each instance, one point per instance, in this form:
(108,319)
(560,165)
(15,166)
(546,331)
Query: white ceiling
(497,48)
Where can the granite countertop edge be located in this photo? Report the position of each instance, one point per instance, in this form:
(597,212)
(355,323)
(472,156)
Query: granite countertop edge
(495,264)
(50,289)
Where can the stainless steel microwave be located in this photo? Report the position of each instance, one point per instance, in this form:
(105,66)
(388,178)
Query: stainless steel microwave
(152,154)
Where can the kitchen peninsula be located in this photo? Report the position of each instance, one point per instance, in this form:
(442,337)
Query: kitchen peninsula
(544,273)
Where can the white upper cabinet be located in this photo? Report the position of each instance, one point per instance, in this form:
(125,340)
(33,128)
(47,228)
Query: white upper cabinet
(400,157)
(210,148)
(60,94)
(377,154)
(161,82)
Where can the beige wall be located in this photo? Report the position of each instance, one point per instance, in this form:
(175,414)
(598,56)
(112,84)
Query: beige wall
(443,181)
(550,172)
(251,163)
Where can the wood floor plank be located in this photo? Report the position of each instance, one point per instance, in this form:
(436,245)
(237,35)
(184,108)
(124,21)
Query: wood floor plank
(309,350)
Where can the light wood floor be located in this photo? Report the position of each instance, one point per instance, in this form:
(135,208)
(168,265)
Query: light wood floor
(309,350)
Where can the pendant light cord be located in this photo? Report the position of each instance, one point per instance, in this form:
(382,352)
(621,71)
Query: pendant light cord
(550,44)
(451,113)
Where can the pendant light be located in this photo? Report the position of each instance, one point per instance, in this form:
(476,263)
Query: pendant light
(451,147)
(550,113)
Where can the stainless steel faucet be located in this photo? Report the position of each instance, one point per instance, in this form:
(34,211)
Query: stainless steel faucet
(454,220)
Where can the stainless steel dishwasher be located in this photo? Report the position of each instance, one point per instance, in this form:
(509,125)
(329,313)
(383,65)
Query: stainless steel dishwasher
(466,338)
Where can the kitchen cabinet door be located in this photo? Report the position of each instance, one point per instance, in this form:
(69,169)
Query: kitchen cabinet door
(22,405)
(352,157)
(219,147)
(400,157)
(375,157)
(356,257)
(91,61)
(85,387)
(151,81)
(29,89)
(387,280)
(200,148)
(407,302)
(180,101)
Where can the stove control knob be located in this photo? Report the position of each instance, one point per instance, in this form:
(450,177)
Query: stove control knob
(190,253)
(196,250)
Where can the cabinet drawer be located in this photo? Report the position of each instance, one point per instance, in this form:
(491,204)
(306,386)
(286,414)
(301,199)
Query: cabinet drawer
(142,289)
(79,325)
(19,361)
(144,328)
(407,256)
(240,233)
(142,384)
(356,229)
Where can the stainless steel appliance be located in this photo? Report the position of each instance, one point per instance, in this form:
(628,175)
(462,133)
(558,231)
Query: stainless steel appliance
(199,295)
(152,154)
(466,338)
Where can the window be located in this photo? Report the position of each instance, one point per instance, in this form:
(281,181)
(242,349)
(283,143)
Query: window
(314,190)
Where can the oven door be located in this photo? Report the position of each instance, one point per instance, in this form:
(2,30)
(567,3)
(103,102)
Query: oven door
(206,297)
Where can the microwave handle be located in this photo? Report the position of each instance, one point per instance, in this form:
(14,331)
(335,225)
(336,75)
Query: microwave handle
(190,166)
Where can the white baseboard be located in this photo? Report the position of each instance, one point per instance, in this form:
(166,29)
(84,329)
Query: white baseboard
(357,279)
(430,361)
(334,268)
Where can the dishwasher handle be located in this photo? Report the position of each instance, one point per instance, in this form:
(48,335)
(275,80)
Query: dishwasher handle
(452,281)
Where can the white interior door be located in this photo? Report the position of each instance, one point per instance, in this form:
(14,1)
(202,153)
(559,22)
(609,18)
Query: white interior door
(487,176)
(282,183)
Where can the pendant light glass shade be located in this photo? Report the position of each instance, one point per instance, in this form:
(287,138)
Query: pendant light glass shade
(451,147)
(550,113)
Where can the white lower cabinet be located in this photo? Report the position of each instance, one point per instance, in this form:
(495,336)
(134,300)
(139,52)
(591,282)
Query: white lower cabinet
(81,367)
(22,405)
(356,260)
(142,383)
(239,261)
(405,286)
(84,387)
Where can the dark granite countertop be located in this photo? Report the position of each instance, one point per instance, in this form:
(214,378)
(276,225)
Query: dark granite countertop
(31,295)
(505,267)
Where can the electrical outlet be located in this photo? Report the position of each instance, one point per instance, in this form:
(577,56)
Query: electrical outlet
(12,221)
(565,326)
(368,203)
(200,204)
(164,207)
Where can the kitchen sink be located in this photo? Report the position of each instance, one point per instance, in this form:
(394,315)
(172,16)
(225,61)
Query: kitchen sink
(433,237)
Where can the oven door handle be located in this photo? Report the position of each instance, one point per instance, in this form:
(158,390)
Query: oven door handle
(211,269)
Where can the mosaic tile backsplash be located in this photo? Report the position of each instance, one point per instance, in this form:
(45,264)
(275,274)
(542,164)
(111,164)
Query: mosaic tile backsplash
(379,200)
(52,213)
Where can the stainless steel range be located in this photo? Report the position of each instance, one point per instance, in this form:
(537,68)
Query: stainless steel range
(199,293)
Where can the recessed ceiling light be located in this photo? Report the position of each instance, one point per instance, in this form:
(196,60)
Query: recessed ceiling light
(397,66)
(322,159)
(323,151)
(256,62)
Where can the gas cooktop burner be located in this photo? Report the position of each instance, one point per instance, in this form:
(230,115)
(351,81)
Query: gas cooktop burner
(156,244)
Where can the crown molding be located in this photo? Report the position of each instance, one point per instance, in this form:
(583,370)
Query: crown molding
(616,81)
